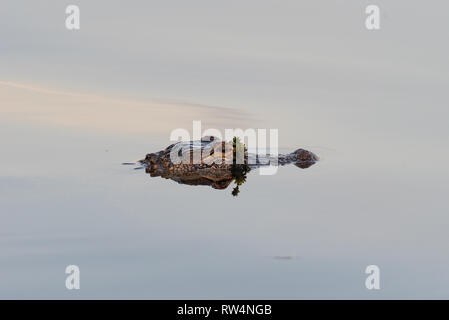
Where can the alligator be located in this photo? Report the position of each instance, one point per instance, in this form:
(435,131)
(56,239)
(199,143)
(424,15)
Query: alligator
(213,162)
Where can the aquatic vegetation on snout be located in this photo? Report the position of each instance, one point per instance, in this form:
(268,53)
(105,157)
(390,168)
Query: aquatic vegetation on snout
(220,167)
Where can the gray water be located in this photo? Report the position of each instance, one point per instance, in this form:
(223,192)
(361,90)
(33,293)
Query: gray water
(372,105)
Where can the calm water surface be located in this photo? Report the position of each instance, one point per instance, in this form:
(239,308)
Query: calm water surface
(310,233)
(372,105)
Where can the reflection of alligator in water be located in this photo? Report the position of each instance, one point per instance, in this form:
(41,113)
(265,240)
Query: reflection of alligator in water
(219,167)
